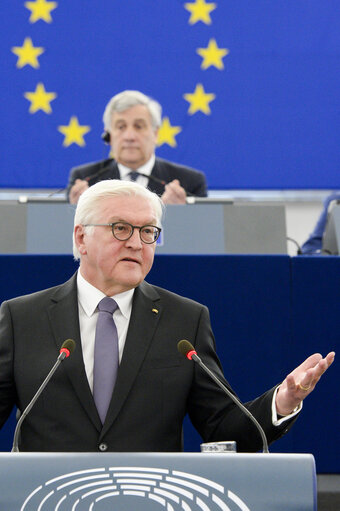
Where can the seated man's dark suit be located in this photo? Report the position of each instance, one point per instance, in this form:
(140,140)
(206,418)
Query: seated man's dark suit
(193,181)
(155,388)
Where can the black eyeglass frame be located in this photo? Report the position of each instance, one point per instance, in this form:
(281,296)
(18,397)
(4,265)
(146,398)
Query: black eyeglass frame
(133,227)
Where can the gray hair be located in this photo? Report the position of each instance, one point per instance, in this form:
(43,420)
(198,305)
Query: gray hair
(127,99)
(89,202)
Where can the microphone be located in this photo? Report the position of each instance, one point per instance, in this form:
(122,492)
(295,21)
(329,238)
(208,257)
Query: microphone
(96,174)
(148,176)
(101,171)
(151,177)
(66,349)
(160,181)
(187,349)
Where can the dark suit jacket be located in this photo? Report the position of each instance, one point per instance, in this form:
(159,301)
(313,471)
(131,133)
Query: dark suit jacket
(155,388)
(193,181)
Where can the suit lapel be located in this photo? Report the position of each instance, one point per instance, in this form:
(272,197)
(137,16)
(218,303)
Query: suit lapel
(115,170)
(64,319)
(63,316)
(146,311)
(105,169)
(157,172)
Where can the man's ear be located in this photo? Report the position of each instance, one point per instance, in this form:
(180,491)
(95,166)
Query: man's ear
(79,234)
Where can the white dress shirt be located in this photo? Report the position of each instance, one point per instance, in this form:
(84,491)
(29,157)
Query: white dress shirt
(144,169)
(88,299)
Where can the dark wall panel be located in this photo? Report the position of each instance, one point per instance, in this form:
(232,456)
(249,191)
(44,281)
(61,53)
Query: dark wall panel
(268,314)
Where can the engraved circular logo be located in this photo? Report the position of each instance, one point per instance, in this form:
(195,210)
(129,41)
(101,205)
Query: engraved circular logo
(121,488)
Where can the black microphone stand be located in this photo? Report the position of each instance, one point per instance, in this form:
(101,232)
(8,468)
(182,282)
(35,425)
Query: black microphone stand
(197,359)
(15,447)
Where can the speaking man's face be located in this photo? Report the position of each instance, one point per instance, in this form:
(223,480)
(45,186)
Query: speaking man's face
(111,265)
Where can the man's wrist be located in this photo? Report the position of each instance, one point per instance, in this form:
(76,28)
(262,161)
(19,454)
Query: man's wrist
(278,418)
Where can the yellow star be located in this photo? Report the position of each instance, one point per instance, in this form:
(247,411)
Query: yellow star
(27,53)
(200,11)
(74,132)
(40,99)
(199,100)
(212,55)
(41,10)
(167,133)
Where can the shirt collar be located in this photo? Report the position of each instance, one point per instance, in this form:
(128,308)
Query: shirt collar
(144,169)
(89,297)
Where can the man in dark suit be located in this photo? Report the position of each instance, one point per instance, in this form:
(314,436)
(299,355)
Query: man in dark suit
(131,122)
(115,228)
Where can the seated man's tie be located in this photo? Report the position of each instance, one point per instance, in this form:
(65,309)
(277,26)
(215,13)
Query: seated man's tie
(133,175)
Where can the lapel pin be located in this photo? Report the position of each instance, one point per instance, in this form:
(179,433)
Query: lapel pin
(155,311)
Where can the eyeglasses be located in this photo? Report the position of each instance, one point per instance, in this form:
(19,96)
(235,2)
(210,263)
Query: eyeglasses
(123,231)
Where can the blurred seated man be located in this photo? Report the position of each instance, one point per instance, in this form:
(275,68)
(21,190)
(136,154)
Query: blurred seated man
(313,245)
(131,122)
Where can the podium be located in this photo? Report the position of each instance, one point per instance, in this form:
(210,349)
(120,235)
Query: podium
(157,481)
(217,227)
(224,228)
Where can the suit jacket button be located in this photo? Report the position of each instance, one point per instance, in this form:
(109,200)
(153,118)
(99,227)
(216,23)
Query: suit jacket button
(103,447)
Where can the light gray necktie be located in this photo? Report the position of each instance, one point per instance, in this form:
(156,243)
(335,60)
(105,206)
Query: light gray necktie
(106,357)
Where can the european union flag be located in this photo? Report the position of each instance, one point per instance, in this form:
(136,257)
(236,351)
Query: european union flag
(250,90)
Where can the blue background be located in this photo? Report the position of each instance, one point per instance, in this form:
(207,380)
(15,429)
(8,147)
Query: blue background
(274,123)
(268,314)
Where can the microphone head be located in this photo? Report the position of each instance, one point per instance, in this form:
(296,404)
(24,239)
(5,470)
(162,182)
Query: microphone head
(186,348)
(68,347)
